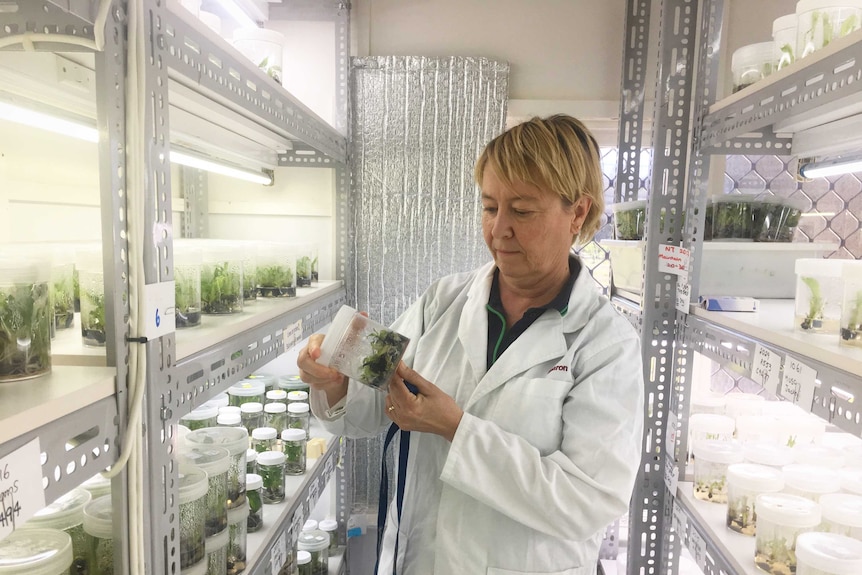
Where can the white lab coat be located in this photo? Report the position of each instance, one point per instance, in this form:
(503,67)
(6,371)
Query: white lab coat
(546,454)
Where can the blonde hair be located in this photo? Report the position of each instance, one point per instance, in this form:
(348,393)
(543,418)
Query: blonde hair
(558,154)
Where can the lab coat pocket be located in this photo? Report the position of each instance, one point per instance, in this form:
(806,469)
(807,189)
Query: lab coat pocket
(572,571)
(532,407)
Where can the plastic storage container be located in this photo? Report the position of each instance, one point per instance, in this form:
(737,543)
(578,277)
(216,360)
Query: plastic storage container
(275,271)
(745,481)
(293,446)
(246,391)
(730,217)
(235,440)
(204,416)
(264,439)
(221,400)
(711,403)
(362,349)
(91,282)
(215,461)
(62,286)
(757,428)
(237,519)
(752,63)
(221,279)
(253,487)
(98,527)
(230,419)
(330,526)
(705,426)
(298,417)
(828,554)
(66,514)
(303,561)
(217,553)
(784,40)
(292,382)
(842,514)
(297,397)
(710,468)
(97,486)
(263,47)
(316,543)
(36,552)
(251,461)
(822,21)
(819,293)
(252,415)
(775,220)
(193,515)
(271,466)
(25,318)
(269,381)
(315,263)
(851,305)
(768,454)
(629,220)
(304,259)
(249,272)
(810,481)
(276,396)
(187,283)
(818,455)
(275,416)
(781,518)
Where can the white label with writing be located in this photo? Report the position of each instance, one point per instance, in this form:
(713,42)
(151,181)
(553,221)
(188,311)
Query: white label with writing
(21,492)
(680,520)
(278,555)
(159,311)
(673,260)
(766,367)
(672,423)
(697,546)
(671,475)
(683,295)
(292,334)
(798,382)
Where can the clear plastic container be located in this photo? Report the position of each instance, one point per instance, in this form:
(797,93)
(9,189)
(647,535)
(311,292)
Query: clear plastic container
(758,428)
(315,263)
(775,220)
(303,561)
(330,526)
(215,461)
(253,486)
(187,283)
(781,518)
(97,486)
(769,454)
(819,294)
(851,305)
(221,400)
(91,281)
(739,404)
(249,272)
(234,409)
(276,396)
(711,403)
(818,455)
(810,481)
(62,285)
(362,349)
(66,514)
(193,514)
(204,416)
(310,525)
(822,21)
(275,270)
(796,428)
(730,217)
(304,258)
(98,527)
(36,552)
(745,481)
(25,317)
(221,279)
(275,416)
(246,391)
(707,426)
(217,553)
(264,439)
(298,417)
(251,461)
(293,446)
(784,39)
(292,382)
(237,522)
(710,469)
(269,381)
(752,63)
(629,220)
(271,466)
(316,543)
(230,419)
(842,514)
(263,47)
(235,440)
(828,554)
(252,415)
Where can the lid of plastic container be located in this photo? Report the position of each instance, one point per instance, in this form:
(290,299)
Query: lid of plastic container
(741,198)
(297,396)
(852,270)
(309,525)
(843,441)
(718,451)
(270,458)
(328,525)
(205,411)
(844,508)
(340,325)
(247,388)
(830,553)
(221,400)
(228,419)
(743,404)
(710,400)
(298,408)
(237,514)
(253,481)
(267,379)
(787,509)
(765,453)
(229,409)
(313,541)
(757,478)
(293,434)
(98,518)
(213,459)
(251,407)
(217,542)
(276,394)
(750,55)
(35,552)
(262,34)
(250,455)
(784,22)
(711,423)
(804,6)
(818,455)
(264,433)
(97,485)
(193,483)
(626,206)
(292,382)
(67,511)
(234,439)
(759,426)
(275,408)
(303,557)
(819,267)
(811,478)
(199,568)
(851,480)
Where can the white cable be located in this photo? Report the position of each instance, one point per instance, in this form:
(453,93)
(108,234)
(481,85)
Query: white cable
(99,24)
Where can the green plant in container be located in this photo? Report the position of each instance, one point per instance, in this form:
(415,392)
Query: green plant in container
(63,301)
(25,331)
(93,318)
(275,281)
(303,271)
(255,506)
(386,349)
(853,330)
(188,298)
(221,289)
(814,318)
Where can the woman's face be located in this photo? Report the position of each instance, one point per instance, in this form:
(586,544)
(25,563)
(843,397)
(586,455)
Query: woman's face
(528,230)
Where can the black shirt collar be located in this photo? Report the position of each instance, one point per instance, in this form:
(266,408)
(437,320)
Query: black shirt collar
(559,303)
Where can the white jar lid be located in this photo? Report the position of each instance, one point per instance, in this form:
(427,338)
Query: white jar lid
(297,396)
(818,455)
(756,478)
(264,433)
(237,514)
(192,483)
(765,453)
(804,6)
(784,23)
(234,439)
(251,407)
(851,480)
(199,568)
(275,408)
(819,267)
(247,388)
(293,434)
(341,323)
(843,508)
(221,400)
(718,451)
(229,409)
(298,408)
(270,458)
(829,553)
(313,541)
(737,404)
(787,509)
(99,518)
(276,394)
(205,411)
(253,481)
(303,557)
(213,459)
(67,511)
(711,423)
(228,419)
(328,525)
(250,455)
(35,552)
(217,542)
(309,525)
(811,478)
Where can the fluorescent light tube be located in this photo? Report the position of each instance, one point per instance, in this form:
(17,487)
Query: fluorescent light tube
(831,168)
(219,168)
(238,14)
(47,122)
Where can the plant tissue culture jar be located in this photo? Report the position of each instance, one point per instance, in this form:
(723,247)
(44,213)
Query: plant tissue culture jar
(819,294)
(25,318)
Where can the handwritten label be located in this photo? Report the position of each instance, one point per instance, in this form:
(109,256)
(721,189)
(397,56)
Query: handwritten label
(797,383)
(671,475)
(313,494)
(278,554)
(765,367)
(680,520)
(21,493)
(697,546)
(292,334)
(683,295)
(673,260)
(159,311)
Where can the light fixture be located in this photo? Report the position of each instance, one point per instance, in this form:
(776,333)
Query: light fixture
(200,163)
(831,167)
(47,122)
(239,15)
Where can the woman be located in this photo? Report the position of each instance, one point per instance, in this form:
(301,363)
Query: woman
(527,421)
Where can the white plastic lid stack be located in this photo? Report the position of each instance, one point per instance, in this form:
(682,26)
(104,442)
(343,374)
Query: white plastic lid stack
(35,552)
(313,541)
(221,400)
(708,403)
(811,479)
(800,430)
(99,518)
(253,481)
(251,455)
(328,525)
(309,525)
(251,407)
(851,480)
(214,460)
(229,419)
(205,411)
(275,408)
(247,388)
(217,542)
(293,434)
(182,431)
(768,454)
(298,408)
(726,452)
(237,514)
(234,439)
(229,409)
(270,458)
(737,404)
(276,395)
(97,486)
(786,509)
(193,483)
(819,268)
(67,511)
(843,508)
(818,455)
(199,568)
(829,553)
(758,428)
(299,396)
(755,478)
(264,433)
(303,557)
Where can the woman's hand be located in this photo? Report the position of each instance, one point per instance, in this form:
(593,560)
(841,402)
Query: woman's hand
(318,376)
(430,410)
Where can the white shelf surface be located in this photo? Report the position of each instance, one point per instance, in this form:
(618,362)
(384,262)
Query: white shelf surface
(215,329)
(67,348)
(736,550)
(773,324)
(32,403)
